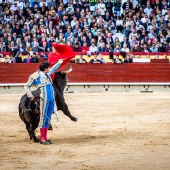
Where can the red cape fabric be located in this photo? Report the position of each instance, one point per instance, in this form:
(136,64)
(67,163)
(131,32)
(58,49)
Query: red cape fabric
(64,52)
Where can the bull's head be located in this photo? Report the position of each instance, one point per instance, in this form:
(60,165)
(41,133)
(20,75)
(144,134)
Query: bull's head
(60,79)
(35,105)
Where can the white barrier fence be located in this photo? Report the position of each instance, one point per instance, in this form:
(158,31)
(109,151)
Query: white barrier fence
(96,87)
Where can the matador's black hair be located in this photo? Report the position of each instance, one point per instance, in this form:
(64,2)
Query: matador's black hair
(44,65)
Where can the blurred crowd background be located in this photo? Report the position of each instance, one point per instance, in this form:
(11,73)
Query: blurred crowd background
(29,27)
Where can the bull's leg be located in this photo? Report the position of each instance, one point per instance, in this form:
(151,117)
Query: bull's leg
(65,110)
(28,129)
(34,137)
(31,133)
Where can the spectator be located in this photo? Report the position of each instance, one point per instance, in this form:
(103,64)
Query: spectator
(125,49)
(117,48)
(85,48)
(145,17)
(2,47)
(81,59)
(84,40)
(95,60)
(93,48)
(127,6)
(43,55)
(168,48)
(49,43)
(2,58)
(151,34)
(168,37)
(117,7)
(133,42)
(77,5)
(108,48)
(102,59)
(73,60)
(35,3)
(137,8)
(125,41)
(60,41)
(153,48)
(117,60)
(86,5)
(7,59)
(107,17)
(145,49)
(161,48)
(73,22)
(136,48)
(67,34)
(20,49)
(119,24)
(109,7)
(148,10)
(18,57)
(102,8)
(35,47)
(164,43)
(12,59)
(110,38)
(165,10)
(77,48)
(128,59)
(14,7)
(27,59)
(132,34)
(20,4)
(102,48)
(34,58)
(117,42)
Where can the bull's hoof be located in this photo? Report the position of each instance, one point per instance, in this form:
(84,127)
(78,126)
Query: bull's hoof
(36,140)
(74,119)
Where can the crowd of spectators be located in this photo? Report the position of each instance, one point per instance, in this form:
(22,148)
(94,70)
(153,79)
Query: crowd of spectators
(31,26)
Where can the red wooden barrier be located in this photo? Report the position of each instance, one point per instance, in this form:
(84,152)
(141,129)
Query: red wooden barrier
(135,72)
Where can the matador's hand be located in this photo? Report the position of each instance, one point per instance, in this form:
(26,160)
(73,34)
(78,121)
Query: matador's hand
(32,98)
(60,61)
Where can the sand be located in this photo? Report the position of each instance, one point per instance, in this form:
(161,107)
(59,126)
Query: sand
(114,132)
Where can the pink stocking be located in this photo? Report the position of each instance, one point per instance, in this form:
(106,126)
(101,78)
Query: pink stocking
(42,130)
(45,133)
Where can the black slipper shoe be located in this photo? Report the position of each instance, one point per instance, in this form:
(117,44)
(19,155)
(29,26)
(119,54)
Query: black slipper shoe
(45,143)
(49,141)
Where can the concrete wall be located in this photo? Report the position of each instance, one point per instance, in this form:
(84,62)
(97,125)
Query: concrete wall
(98,88)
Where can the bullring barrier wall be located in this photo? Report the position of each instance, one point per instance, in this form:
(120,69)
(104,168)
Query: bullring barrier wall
(134,77)
(93,73)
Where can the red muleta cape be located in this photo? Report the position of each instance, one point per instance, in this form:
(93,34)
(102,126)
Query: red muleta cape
(64,52)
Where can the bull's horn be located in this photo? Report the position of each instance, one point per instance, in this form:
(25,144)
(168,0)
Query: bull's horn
(68,71)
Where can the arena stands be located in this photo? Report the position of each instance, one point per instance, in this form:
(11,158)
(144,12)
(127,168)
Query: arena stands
(29,27)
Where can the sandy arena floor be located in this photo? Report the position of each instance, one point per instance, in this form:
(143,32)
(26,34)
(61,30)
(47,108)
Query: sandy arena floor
(114,132)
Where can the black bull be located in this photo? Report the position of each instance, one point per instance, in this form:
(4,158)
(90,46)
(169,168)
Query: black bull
(29,110)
